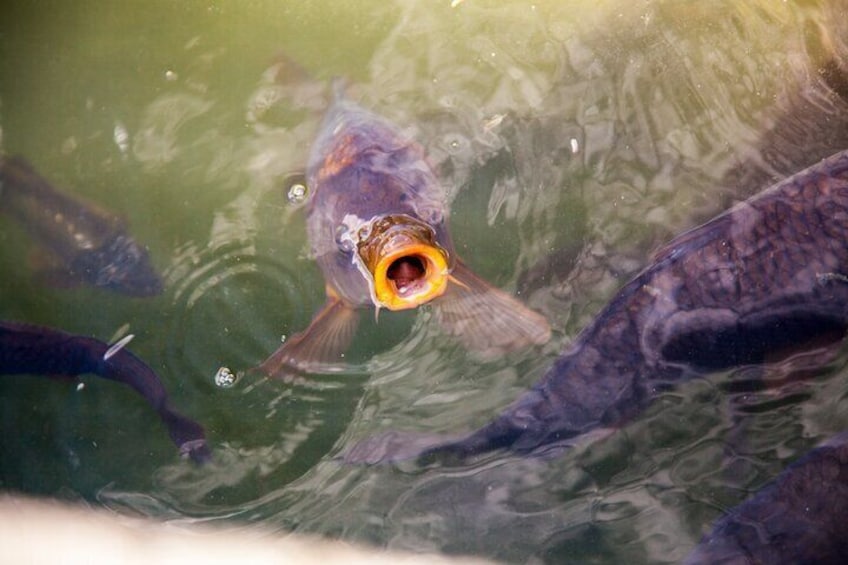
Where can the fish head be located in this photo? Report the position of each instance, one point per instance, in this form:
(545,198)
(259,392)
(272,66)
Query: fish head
(404,262)
(122,266)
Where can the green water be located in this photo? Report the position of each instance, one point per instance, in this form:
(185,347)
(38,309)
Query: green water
(598,129)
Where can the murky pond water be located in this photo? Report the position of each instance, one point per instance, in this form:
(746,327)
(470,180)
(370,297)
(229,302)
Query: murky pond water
(572,138)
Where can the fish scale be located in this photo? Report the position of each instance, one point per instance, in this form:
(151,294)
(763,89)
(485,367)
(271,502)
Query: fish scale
(377,224)
(769,273)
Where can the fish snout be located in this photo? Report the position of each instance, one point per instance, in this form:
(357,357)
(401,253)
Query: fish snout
(408,267)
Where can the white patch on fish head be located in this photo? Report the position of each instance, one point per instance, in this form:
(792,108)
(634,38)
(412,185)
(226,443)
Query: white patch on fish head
(349,235)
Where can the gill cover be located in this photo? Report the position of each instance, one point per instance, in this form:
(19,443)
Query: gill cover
(407,267)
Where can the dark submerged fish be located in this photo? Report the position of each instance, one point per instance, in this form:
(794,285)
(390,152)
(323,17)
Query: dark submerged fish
(377,225)
(800,517)
(37,350)
(765,275)
(89,245)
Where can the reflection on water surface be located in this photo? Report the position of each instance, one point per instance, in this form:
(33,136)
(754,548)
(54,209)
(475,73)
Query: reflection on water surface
(572,140)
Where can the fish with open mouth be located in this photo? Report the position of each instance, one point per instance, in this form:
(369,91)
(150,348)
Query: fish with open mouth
(767,275)
(86,243)
(377,225)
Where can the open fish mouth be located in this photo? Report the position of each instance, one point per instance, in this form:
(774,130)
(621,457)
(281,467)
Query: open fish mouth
(407,274)
(407,266)
(410,277)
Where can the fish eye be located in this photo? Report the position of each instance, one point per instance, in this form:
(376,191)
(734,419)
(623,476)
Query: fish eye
(343,239)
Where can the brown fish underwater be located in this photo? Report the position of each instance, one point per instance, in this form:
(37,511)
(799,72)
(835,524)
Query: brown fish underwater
(377,225)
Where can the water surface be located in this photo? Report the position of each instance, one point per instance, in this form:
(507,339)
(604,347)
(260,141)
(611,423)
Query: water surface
(589,132)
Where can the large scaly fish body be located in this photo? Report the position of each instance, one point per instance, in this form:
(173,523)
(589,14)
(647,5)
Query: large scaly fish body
(86,243)
(377,225)
(768,274)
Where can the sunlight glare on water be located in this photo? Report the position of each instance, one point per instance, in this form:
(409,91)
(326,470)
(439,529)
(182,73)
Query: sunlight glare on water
(571,137)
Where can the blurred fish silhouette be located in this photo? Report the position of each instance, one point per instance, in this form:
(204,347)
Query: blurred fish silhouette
(39,350)
(85,244)
(377,225)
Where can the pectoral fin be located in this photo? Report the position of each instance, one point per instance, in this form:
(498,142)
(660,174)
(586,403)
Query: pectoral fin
(487,320)
(320,345)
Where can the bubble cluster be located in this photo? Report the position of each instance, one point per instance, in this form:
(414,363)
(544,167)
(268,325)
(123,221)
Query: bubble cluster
(225,378)
(297,193)
(296,189)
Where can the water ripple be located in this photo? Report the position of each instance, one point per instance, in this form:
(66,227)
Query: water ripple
(224,303)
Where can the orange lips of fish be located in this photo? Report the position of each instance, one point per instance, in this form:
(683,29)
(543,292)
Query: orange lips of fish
(407,266)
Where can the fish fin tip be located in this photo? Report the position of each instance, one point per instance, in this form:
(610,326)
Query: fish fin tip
(486,319)
(321,344)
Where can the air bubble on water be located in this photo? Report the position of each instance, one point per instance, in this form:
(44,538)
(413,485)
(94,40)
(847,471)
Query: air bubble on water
(294,185)
(225,378)
(297,193)
(283,338)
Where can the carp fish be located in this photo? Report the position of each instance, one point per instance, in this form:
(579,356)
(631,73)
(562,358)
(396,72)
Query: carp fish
(377,225)
(85,243)
(766,275)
